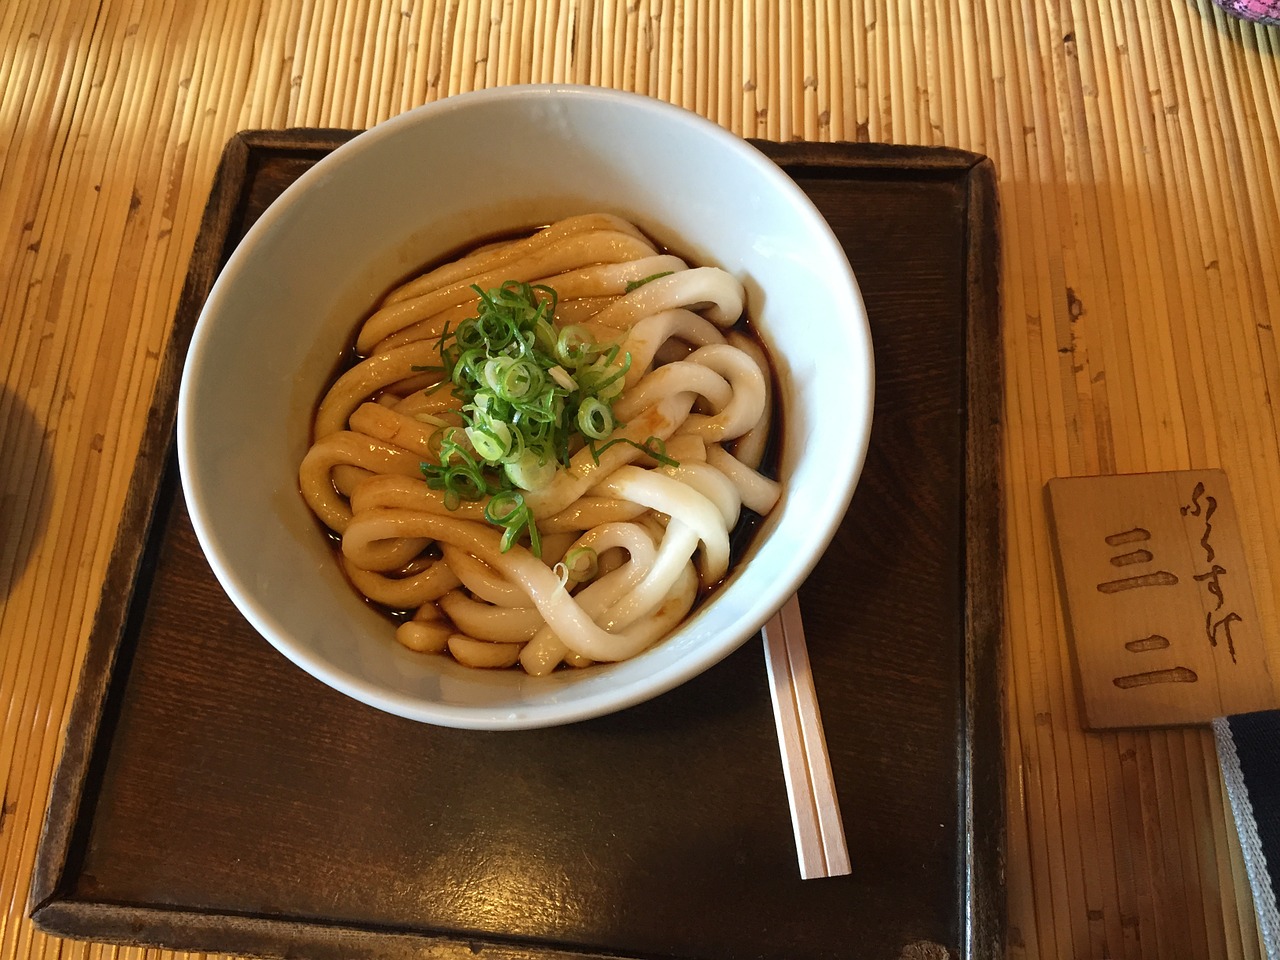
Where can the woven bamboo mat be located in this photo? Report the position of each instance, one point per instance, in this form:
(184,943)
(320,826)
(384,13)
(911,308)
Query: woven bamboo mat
(1138,149)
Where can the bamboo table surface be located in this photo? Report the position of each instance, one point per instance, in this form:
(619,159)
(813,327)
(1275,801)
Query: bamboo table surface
(1137,146)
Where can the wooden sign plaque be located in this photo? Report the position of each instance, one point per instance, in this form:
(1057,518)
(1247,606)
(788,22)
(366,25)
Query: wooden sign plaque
(1156,590)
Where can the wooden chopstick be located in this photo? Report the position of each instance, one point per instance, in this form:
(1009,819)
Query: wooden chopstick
(811,789)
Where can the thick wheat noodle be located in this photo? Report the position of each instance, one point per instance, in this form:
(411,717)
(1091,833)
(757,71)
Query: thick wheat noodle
(609,561)
(581,309)
(377,425)
(578,251)
(585,468)
(555,543)
(346,477)
(365,379)
(425,636)
(672,380)
(632,538)
(557,607)
(429,327)
(490,622)
(410,493)
(647,337)
(587,512)
(603,334)
(357,450)
(611,279)
(713,485)
(757,491)
(662,608)
(391,426)
(674,552)
(403,593)
(681,502)
(483,581)
(622,608)
(434,403)
(747,406)
(414,383)
(506,617)
(686,447)
(545,651)
(407,493)
(568,310)
(482,654)
(718,295)
(618,546)
(602,283)
(404,493)
(391,556)
(749,450)
(496,254)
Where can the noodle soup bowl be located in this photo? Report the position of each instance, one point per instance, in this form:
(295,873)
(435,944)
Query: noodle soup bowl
(426,184)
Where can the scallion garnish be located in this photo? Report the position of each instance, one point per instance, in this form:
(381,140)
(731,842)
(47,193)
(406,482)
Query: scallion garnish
(655,447)
(508,510)
(530,394)
(579,565)
(636,284)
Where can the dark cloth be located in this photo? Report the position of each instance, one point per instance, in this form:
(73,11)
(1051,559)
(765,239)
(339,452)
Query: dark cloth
(1249,754)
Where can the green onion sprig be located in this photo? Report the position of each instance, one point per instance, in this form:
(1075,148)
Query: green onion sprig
(637,284)
(531,395)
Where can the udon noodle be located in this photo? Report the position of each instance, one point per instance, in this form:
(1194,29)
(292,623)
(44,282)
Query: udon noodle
(505,541)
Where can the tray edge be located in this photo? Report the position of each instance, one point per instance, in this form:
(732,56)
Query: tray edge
(116,599)
(983,760)
(983,886)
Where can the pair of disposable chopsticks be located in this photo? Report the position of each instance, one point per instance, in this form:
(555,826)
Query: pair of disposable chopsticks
(811,789)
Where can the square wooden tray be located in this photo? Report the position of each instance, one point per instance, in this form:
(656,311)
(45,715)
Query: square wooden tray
(213,797)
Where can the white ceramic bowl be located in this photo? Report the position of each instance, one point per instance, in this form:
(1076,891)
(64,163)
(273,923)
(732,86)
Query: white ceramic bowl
(419,186)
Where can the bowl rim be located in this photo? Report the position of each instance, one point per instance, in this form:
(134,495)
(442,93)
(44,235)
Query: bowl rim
(549,713)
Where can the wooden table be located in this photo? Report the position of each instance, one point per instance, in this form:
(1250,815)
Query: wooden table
(1138,150)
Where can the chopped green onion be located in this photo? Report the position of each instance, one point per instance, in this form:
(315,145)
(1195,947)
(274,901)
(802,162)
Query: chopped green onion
(492,439)
(637,284)
(595,419)
(578,565)
(582,564)
(574,345)
(508,510)
(529,472)
(530,395)
(655,447)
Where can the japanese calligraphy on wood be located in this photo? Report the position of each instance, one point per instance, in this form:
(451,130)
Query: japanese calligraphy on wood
(1156,591)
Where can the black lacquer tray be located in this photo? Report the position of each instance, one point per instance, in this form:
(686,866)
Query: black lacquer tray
(213,797)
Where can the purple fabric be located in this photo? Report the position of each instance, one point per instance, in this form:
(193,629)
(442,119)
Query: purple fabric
(1260,11)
